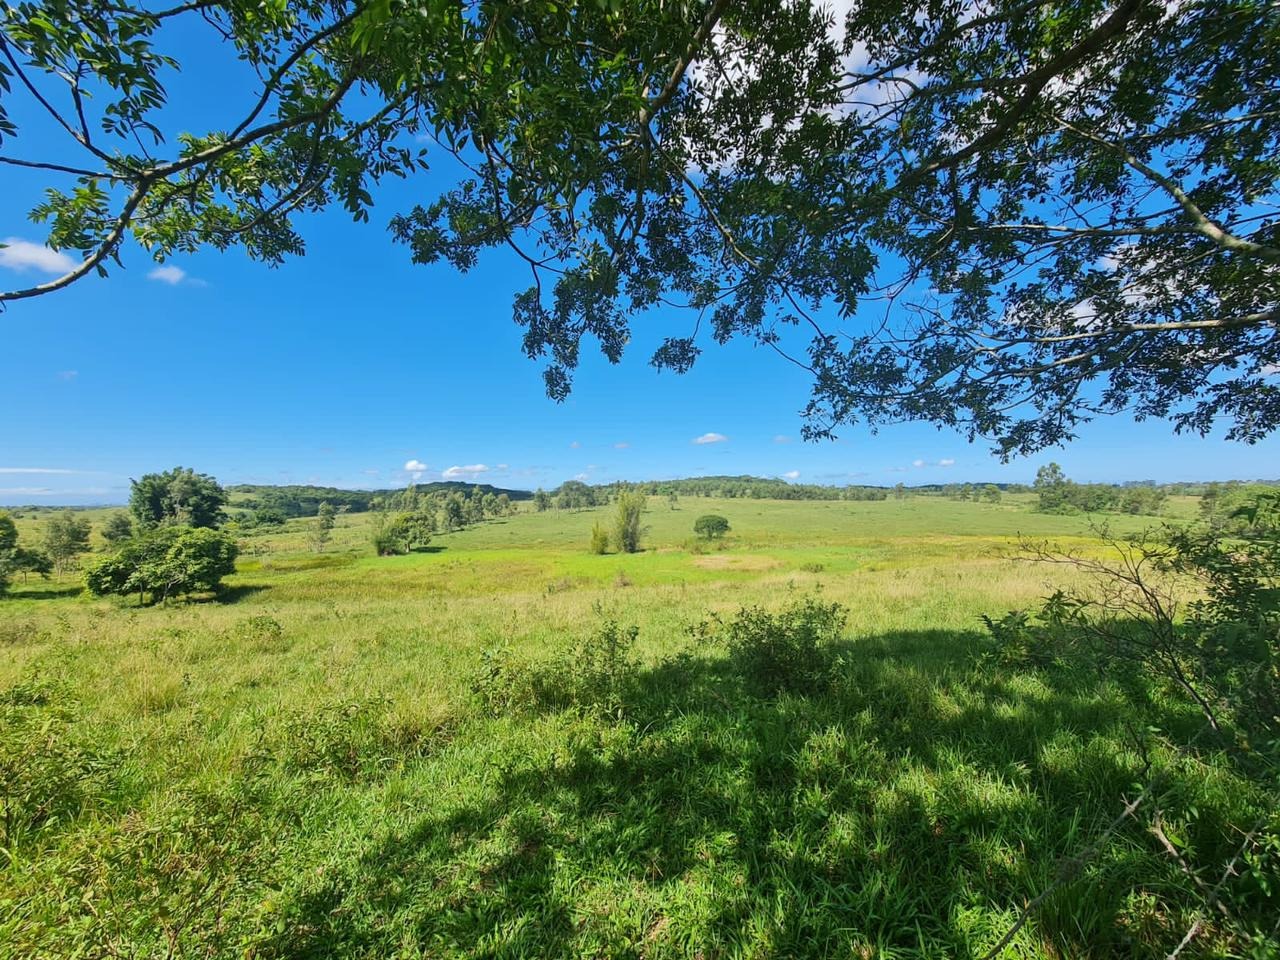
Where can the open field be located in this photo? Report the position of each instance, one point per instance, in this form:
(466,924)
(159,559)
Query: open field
(302,768)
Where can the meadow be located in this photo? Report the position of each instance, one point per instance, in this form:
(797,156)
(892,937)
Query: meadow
(356,756)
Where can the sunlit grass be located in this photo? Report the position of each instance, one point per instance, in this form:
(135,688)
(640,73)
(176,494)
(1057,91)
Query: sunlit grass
(300,769)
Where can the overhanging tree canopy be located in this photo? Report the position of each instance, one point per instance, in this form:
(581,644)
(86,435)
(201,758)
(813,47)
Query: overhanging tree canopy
(1001,216)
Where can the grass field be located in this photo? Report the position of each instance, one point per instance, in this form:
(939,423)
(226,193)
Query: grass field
(302,769)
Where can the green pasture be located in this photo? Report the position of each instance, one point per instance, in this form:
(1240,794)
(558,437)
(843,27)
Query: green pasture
(300,768)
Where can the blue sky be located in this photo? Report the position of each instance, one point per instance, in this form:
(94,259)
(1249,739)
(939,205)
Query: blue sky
(353,367)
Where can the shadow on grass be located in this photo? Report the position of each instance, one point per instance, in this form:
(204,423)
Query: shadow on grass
(234,594)
(908,808)
(45,591)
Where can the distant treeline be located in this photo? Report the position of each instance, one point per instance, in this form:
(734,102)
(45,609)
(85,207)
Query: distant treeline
(304,501)
(574,494)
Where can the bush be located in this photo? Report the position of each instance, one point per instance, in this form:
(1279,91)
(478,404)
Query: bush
(597,674)
(599,539)
(626,525)
(788,650)
(166,562)
(711,526)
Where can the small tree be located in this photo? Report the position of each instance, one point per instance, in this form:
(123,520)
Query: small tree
(991,493)
(65,536)
(626,523)
(322,527)
(673,500)
(1053,487)
(711,526)
(541,500)
(117,528)
(599,538)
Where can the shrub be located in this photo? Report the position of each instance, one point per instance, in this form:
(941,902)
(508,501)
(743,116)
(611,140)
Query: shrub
(262,632)
(166,562)
(711,526)
(788,650)
(626,524)
(599,539)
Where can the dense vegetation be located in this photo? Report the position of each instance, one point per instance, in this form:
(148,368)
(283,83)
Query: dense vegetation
(304,501)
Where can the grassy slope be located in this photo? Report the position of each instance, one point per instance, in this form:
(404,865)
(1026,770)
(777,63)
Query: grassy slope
(326,786)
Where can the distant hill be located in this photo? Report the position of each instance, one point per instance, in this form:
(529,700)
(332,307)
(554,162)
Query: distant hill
(295,500)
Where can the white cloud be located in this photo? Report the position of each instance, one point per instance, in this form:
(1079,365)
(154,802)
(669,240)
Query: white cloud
(25,491)
(168,274)
(781,438)
(946,462)
(503,466)
(792,475)
(416,468)
(621,446)
(22,255)
(575,445)
(711,438)
(917,463)
(470,470)
(581,477)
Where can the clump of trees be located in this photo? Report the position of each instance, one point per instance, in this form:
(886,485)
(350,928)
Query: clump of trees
(407,519)
(711,526)
(1058,494)
(167,561)
(599,539)
(177,497)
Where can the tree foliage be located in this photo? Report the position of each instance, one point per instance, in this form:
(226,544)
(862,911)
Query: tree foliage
(179,496)
(165,562)
(1004,218)
(66,535)
(711,526)
(626,522)
(117,528)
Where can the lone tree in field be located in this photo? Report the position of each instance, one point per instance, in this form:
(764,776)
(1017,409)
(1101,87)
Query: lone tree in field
(66,536)
(626,521)
(1004,218)
(711,526)
(322,526)
(179,496)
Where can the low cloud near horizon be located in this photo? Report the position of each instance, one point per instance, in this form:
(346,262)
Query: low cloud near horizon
(791,475)
(470,470)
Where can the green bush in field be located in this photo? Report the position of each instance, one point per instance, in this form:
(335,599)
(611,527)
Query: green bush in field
(711,526)
(626,524)
(599,539)
(166,562)
(788,650)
